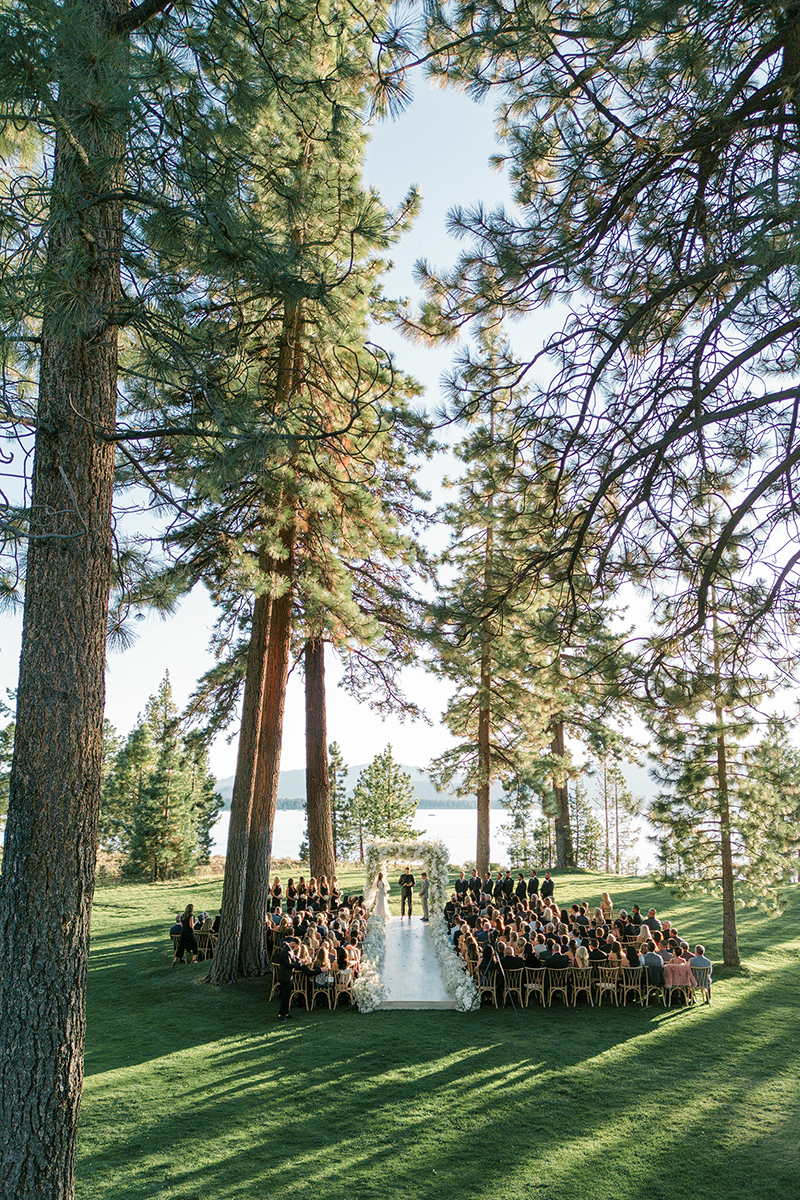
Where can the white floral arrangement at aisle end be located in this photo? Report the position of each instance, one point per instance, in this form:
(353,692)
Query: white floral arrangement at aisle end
(454,973)
(435,860)
(368,990)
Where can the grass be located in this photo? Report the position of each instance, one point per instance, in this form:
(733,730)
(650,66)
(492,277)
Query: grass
(194,1093)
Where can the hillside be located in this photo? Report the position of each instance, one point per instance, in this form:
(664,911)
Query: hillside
(292,788)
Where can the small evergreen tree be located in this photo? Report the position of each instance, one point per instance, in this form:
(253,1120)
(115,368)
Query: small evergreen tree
(619,807)
(164,835)
(522,803)
(206,801)
(587,832)
(344,834)
(128,808)
(543,842)
(384,801)
(124,786)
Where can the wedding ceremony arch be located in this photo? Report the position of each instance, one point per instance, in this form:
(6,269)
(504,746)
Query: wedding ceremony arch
(434,859)
(432,856)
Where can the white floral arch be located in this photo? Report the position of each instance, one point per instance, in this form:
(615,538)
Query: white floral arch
(432,855)
(369,990)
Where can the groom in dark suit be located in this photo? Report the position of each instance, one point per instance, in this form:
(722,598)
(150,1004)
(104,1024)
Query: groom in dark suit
(407,882)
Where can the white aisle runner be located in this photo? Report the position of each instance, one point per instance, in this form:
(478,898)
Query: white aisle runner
(411,975)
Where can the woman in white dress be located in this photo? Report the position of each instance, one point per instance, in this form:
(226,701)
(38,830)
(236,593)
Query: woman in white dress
(381,903)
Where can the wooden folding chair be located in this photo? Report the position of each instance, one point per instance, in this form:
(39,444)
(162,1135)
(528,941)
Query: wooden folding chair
(343,985)
(607,984)
(558,982)
(534,984)
(582,982)
(323,989)
(631,982)
(487,985)
(299,987)
(702,979)
(514,984)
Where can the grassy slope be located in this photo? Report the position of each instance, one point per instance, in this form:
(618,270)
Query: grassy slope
(196,1093)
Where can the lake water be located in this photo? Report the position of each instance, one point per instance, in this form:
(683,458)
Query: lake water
(453,826)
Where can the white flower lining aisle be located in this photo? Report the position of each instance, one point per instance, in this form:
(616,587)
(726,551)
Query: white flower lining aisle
(370,989)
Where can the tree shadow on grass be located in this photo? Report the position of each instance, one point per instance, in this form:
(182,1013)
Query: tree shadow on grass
(446,1104)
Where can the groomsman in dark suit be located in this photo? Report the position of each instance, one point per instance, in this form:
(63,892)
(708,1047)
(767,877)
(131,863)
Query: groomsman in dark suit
(533,884)
(475,887)
(407,882)
(462,886)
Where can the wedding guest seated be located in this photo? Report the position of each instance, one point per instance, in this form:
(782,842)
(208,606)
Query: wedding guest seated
(631,956)
(651,921)
(581,959)
(699,962)
(509,960)
(677,973)
(615,956)
(653,964)
(596,955)
(558,959)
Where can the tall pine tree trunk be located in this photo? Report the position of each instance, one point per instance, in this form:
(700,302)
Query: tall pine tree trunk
(268,762)
(483,850)
(318,796)
(484,762)
(51,835)
(730,941)
(225,963)
(565,853)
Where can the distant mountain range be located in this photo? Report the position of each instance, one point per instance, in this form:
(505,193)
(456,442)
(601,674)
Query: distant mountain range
(292,788)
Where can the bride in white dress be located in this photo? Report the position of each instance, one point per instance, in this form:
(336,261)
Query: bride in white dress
(381,902)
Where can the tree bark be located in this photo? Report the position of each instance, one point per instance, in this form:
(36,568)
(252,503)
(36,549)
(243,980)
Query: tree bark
(265,793)
(484,763)
(47,882)
(730,940)
(225,963)
(483,849)
(565,852)
(322,859)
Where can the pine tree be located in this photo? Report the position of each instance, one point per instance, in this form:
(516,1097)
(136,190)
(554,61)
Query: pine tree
(543,842)
(587,831)
(477,621)
(384,800)
(535,656)
(522,801)
(673,264)
(124,787)
(705,699)
(163,842)
(343,834)
(206,801)
(287,524)
(618,807)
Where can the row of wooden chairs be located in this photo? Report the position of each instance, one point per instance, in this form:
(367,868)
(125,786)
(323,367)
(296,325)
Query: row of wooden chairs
(305,988)
(617,984)
(206,943)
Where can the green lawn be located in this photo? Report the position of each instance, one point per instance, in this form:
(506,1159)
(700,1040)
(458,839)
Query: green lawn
(200,1094)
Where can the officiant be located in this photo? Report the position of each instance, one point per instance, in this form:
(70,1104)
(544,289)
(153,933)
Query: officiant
(407,882)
